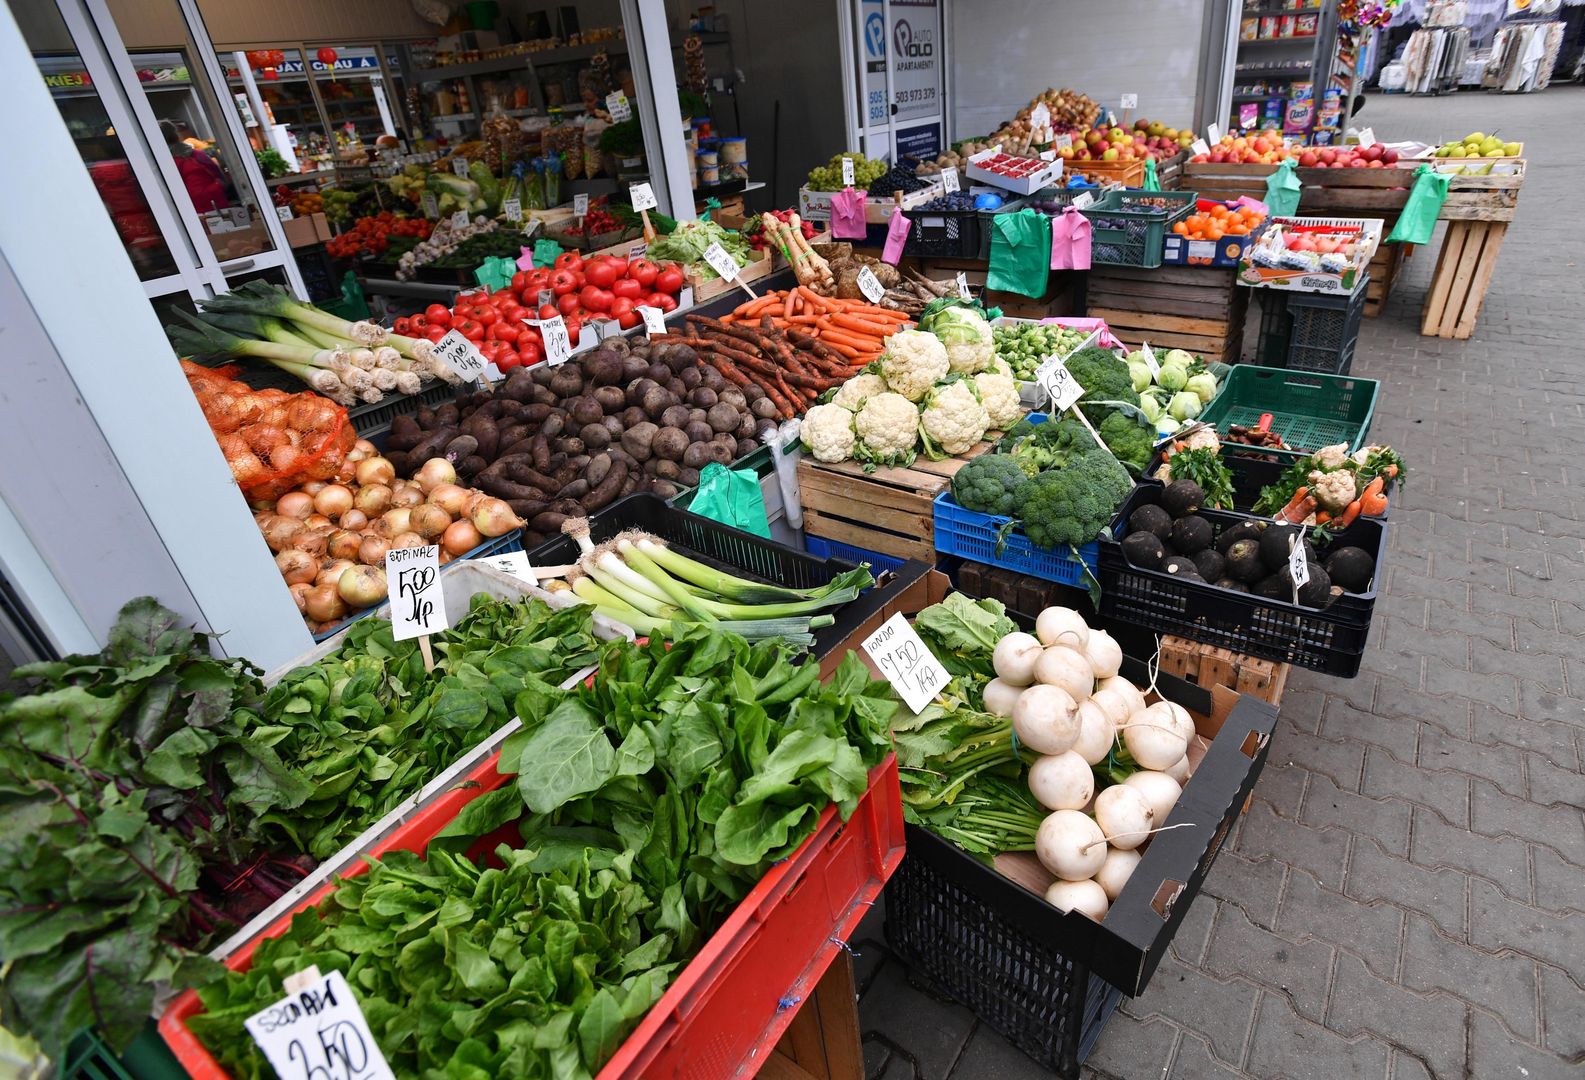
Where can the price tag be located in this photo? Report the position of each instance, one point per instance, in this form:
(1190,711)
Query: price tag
(1213,133)
(284,213)
(580,205)
(430,207)
(531,227)
(1040,115)
(1298,565)
(847,172)
(318,1030)
(905,662)
(460,354)
(1367,137)
(963,285)
(949,179)
(1083,199)
(1063,142)
(870,285)
(637,251)
(1048,155)
(1058,383)
(721,261)
(1150,361)
(459,165)
(1129,101)
(515,563)
(418,605)
(617,105)
(553,339)
(1199,147)
(643,197)
(513,209)
(654,319)
(459,220)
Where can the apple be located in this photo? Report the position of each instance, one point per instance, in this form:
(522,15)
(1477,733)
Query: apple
(1389,157)
(1309,159)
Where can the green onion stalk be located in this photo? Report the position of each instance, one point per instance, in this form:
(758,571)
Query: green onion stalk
(658,620)
(316,367)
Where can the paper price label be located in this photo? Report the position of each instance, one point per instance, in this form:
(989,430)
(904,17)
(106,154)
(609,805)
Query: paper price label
(1048,155)
(949,179)
(1129,101)
(460,354)
(617,105)
(1367,137)
(637,251)
(284,213)
(643,197)
(870,285)
(1150,362)
(654,319)
(546,297)
(515,563)
(906,663)
(1213,133)
(430,207)
(721,261)
(531,227)
(1063,142)
(459,165)
(319,1031)
(963,285)
(1058,383)
(580,205)
(1083,199)
(554,340)
(459,220)
(847,172)
(1298,565)
(1199,147)
(513,209)
(418,604)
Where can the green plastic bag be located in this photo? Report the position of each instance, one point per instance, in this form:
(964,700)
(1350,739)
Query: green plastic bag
(1151,183)
(732,497)
(495,272)
(1020,253)
(1418,220)
(1282,189)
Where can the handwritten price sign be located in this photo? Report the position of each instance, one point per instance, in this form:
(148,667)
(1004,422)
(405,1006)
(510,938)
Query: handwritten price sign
(418,604)
(319,1033)
(1058,382)
(461,355)
(906,662)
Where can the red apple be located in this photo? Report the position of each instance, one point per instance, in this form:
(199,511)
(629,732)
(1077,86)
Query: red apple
(1328,156)
(1309,159)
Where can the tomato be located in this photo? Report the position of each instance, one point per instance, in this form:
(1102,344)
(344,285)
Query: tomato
(438,314)
(509,359)
(629,319)
(538,278)
(503,331)
(574,328)
(643,271)
(515,313)
(602,272)
(402,326)
(520,281)
(530,353)
(471,329)
(669,280)
(562,282)
(621,305)
(569,260)
(483,313)
(418,324)
(662,301)
(491,349)
(435,333)
(567,304)
(595,299)
(527,336)
(629,288)
(548,311)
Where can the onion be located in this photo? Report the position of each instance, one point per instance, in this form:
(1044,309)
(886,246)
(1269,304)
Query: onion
(449,497)
(434,472)
(361,449)
(362,586)
(408,540)
(312,488)
(354,521)
(346,472)
(296,566)
(372,550)
(330,571)
(460,537)
(333,500)
(373,500)
(395,521)
(324,604)
(314,541)
(343,544)
(375,470)
(407,495)
(295,504)
(281,532)
(492,517)
(472,501)
(318,521)
(429,521)
(300,594)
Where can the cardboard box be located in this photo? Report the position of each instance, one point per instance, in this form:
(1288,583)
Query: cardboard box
(816,206)
(1254,272)
(306,230)
(1045,176)
(1224,253)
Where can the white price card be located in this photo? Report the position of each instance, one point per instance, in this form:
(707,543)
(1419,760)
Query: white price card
(1058,383)
(512,209)
(1150,362)
(721,261)
(430,207)
(531,227)
(1063,142)
(580,205)
(459,220)
(949,178)
(319,1031)
(905,662)
(963,285)
(643,197)
(515,563)
(1199,146)
(1048,155)
(1298,565)
(418,604)
(870,285)
(1083,199)
(1213,133)
(461,355)
(1040,115)
(1129,101)
(284,213)
(637,251)
(554,340)
(1367,137)
(459,165)
(847,172)
(617,105)
(654,319)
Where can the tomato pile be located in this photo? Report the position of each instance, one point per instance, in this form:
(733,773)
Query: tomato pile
(371,235)
(604,287)
(754,232)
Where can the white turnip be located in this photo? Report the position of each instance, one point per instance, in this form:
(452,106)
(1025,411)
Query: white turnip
(1124,816)
(1000,697)
(1061,781)
(1159,736)
(1126,690)
(1158,789)
(1104,653)
(1046,719)
(1014,658)
(1070,845)
(1180,771)
(1061,666)
(1116,870)
(1097,733)
(1115,703)
(1062,626)
(1085,897)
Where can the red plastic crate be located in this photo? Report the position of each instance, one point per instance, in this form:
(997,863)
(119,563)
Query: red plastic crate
(726,1010)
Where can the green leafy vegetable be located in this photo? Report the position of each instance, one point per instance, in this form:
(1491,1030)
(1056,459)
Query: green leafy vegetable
(688,242)
(963,632)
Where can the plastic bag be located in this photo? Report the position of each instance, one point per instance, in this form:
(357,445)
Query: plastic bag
(1418,220)
(1020,253)
(896,238)
(732,497)
(1151,183)
(847,214)
(1070,240)
(1282,189)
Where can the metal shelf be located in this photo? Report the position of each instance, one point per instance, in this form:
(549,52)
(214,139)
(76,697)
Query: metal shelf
(1291,39)
(539,58)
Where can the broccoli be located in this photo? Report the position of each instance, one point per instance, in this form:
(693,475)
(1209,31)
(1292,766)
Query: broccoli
(1037,447)
(989,484)
(1072,504)
(1104,377)
(1130,441)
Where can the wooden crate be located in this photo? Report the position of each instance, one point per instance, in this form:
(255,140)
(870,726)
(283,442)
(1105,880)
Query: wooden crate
(708,290)
(1362,192)
(1197,309)
(1128,173)
(1017,592)
(1208,666)
(1385,266)
(890,510)
(822,1042)
(1463,271)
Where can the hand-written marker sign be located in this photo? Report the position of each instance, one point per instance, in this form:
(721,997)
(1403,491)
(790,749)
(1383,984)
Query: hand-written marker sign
(418,604)
(318,1032)
(906,662)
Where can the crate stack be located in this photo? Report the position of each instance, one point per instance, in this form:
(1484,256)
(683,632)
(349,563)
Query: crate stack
(1198,309)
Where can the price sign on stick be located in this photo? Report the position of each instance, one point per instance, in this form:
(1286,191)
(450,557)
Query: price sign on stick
(949,179)
(1199,147)
(459,165)
(1063,142)
(654,319)
(1129,101)
(1367,137)
(722,262)
(461,355)
(459,220)
(1298,565)
(1150,362)
(963,285)
(319,1031)
(418,603)
(580,206)
(870,285)
(284,213)
(1213,133)
(512,209)
(515,563)
(430,207)
(643,197)
(847,172)
(906,662)
(554,339)
(1058,383)
(617,105)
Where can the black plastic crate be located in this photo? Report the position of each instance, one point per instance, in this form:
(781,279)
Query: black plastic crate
(946,234)
(1329,640)
(1250,474)
(1276,328)
(1325,330)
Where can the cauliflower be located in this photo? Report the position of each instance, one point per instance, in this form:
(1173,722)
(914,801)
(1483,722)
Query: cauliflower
(852,394)
(999,395)
(953,419)
(827,433)
(1333,491)
(1331,457)
(888,428)
(1202,438)
(966,335)
(913,362)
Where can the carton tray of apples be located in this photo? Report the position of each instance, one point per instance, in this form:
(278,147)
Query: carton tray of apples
(1311,254)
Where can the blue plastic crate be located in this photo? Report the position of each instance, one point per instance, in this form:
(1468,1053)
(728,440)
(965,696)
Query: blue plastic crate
(976,536)
(829,549)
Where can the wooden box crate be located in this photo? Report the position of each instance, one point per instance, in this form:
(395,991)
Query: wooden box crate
(1208,666)
(1385,266)
(822,1042)
(890,510)
(1018,592)
(1197,309)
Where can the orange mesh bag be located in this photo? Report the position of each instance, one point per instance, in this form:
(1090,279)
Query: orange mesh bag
(272,440)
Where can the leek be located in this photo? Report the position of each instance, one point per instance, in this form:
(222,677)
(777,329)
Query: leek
(204,341)
(719,583)
(642,563)
(262,298)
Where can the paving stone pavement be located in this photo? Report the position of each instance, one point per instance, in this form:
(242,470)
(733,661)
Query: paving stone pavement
(1406,897)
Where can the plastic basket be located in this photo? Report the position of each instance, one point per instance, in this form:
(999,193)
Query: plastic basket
(146,1058)
(1309,410)
(368,420)
(1330,640)
(835,549)
(946,234)
(1325,329)
(985,538)
(722,1012)
(1127,231)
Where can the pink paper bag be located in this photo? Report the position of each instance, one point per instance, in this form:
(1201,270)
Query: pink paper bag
(1070,240)
(896,237)
(847,215)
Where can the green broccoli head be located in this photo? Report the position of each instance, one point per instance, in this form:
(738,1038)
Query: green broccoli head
(1103,375)
(1128,439)
(1072,504)
(989,484)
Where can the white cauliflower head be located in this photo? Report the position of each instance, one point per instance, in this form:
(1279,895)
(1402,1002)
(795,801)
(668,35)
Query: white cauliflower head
(913,362)
(966,335)
(1333,491)
(999,395)
(827,433)
(1202,438)
(852,394)
(1331,457)
(953,419)
(888,428)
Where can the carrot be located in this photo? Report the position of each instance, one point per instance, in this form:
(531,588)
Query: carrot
(812,299)
(806,320)
(1373,502)
(855,322)
(1350,512)
(1322,517)
(1300,497)
(792,300)
(852,341)
(847,350)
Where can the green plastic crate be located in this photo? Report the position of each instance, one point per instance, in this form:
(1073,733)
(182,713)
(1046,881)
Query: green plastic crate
(147,1058)
(1128,230)
(1308,410)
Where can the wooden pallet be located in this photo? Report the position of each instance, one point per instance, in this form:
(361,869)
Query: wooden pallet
(890,510)
(1175,307)
(1208,666)
(1463,271)
(822,1042)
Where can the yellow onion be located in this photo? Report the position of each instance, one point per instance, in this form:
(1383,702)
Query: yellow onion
(333,500)
(460,538)
(408,540)
(429,521)
(297,567)
(362,586)
(449,497)
(373,500)
(311,488)
(361,449)
(343,544)
(375,470)
(295,504)
(324,604)
(314,541)
(300,595)
(492,517)
(434,472)
(372,550)
(280,533)
(330,571)
(395,521)
(407,495)
(354,521)
(318,521)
